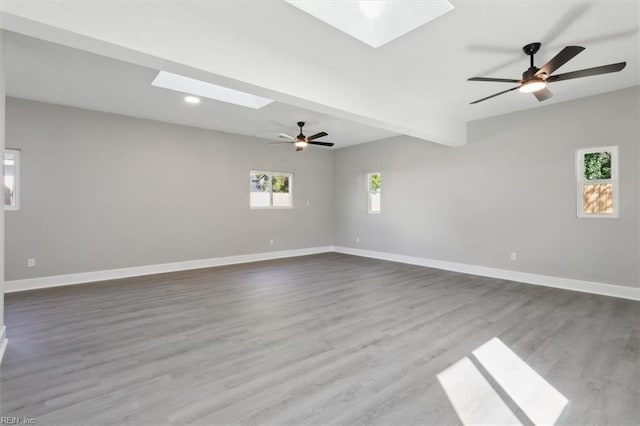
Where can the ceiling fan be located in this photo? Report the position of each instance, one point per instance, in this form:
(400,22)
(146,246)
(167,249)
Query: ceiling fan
(535,80)
(301,141)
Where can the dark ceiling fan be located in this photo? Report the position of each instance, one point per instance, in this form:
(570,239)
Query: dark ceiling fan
(301,141)
(534,80)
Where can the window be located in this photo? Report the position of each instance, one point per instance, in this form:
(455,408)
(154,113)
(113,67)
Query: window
(374,183)
(597,174)
(11,179)
(270,189)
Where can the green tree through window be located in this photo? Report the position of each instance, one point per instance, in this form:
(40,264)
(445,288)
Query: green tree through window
(376,181)
(597,165)
(280,183)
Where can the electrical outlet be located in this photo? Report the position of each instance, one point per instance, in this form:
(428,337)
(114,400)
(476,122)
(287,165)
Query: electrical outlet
(357,239)
(31,262)
(271,241)
(514,255)
(308,203)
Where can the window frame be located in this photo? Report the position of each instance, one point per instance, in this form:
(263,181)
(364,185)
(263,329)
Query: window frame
(581,181)
(370,193)
(271,174)
(16,186)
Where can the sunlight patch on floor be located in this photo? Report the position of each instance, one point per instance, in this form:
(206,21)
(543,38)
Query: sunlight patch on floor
(477,403)
(473,398)
(540,401)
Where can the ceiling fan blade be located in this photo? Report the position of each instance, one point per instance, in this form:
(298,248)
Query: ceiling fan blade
(298,148)
(604,69)
(497,80)
(565,55)
(321,143)
(543,94)
(494,95)
(286,136)
(317,135)
(276,143)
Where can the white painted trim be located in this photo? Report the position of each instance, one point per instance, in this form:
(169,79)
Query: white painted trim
(371,193)
(111,274)
(3,341)
(612,290)
(271,206)
(581,181)
(16,186)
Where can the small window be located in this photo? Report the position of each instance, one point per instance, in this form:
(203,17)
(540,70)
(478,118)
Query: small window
(597,173)
(374,183)
(11,179)
(270,189)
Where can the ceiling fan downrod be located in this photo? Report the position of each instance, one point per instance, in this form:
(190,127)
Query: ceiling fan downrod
(530,49)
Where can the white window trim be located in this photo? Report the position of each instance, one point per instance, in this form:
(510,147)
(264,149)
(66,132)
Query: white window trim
(580,180)
(16,189)
(369,192)
(272,207)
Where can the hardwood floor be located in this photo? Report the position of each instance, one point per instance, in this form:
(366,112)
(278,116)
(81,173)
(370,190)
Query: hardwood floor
(318,339)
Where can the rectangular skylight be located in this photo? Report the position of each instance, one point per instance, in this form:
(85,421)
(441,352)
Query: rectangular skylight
(191,86)
(374,22)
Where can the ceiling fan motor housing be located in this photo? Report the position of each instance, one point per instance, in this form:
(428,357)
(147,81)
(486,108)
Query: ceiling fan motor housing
(530,73)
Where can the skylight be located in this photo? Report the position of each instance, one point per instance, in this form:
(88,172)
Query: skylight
(374,22)
(191,86)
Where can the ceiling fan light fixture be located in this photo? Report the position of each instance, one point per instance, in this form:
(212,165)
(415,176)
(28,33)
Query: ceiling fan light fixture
(301,144)
(533,85)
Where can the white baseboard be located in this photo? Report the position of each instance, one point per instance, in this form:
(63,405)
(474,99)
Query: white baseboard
(112,274)
(3,341)
(523,277)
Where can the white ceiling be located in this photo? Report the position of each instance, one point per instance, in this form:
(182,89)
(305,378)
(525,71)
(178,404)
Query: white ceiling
(52,73)
(415,85)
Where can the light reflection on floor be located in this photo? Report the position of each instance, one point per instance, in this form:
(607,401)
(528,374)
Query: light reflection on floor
(473,398)
(477,403)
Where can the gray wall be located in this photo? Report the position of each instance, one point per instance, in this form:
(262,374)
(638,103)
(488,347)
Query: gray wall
(101,191)
(512,188)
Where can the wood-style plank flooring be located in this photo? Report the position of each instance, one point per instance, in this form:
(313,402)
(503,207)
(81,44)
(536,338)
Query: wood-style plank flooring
(323,339)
